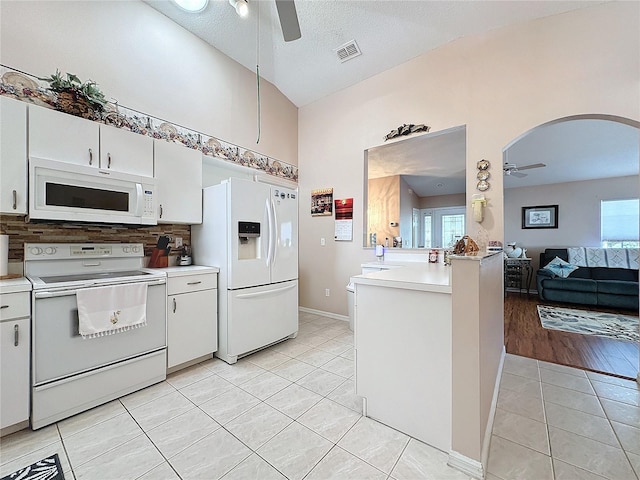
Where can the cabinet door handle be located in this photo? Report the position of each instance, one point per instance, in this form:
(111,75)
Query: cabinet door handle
(108,160)
(90,157)
(160,210)
(4,306)
(15,199)
(194,283)
(174,305)
(16,335)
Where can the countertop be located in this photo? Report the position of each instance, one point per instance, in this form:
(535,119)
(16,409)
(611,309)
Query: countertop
(14,285)
(179,271)
(424,276)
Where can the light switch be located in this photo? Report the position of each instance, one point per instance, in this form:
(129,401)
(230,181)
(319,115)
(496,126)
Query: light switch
(322,242)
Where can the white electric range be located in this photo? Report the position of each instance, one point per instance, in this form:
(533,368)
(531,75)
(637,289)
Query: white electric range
(71,374)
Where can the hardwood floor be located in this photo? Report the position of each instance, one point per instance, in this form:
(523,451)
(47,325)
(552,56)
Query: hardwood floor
(524,335)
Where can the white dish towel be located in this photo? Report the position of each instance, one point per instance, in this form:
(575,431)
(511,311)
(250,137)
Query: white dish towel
(113,309)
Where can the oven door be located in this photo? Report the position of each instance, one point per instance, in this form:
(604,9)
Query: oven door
(79,193)
(59,351)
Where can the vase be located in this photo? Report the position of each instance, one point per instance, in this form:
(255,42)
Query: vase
(72,103)
(512,251)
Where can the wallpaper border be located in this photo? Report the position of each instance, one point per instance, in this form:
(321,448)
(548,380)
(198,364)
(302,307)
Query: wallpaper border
(28,88)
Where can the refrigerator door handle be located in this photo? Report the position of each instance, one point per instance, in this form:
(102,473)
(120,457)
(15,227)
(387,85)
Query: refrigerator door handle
(270,234)
(274,232)
(266,292)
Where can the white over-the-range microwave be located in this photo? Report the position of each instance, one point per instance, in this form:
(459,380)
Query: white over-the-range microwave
(66,191)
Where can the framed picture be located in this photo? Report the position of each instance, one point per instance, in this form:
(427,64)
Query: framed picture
(322,202)
(543,216)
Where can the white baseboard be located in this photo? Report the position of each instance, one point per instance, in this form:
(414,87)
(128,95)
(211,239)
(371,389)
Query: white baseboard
(484,456)
(344,318)
(466,465)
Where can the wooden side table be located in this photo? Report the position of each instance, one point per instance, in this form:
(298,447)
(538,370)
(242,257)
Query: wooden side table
(517,274)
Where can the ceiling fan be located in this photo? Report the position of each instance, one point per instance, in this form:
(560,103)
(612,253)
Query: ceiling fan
(513,170)
(288,20)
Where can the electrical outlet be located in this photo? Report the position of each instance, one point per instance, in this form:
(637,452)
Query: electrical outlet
(322,243)
(327,292)
(178,242)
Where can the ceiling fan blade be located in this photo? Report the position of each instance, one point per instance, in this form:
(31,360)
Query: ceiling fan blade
(515,173)
(288,20)
(533,165)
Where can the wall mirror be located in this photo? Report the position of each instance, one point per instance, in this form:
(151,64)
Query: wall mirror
(415,191)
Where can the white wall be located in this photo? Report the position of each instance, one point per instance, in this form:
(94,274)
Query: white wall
(578,212)
(500,85)
(149,63)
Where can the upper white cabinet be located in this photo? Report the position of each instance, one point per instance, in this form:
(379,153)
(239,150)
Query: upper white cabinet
(124,151)
(178,172)
(13,156)
(58,136)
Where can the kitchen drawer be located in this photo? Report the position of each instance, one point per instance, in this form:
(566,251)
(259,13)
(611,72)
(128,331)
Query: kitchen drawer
(15,305)
(191,283)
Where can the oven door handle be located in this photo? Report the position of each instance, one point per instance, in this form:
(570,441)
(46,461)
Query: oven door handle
(63,293)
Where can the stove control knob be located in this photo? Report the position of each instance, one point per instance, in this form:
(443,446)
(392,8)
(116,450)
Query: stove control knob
(50,250)
(35,250)
(135,249)
(125,249)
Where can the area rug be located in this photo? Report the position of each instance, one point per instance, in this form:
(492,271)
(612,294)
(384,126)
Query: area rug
(613,325)
(46,469)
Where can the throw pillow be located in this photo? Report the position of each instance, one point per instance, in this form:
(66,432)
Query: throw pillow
(560,267)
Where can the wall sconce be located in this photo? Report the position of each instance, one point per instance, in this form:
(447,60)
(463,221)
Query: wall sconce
(241,6)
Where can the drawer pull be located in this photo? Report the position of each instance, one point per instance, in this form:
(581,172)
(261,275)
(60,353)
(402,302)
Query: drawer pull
(174,305)
(4,306)
(90,157)
(194,283)
(109,160)
(15,200)
(160,210)
(16,335)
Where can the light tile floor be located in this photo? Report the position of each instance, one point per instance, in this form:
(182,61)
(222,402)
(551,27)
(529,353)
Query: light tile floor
(556,422)
(290,411)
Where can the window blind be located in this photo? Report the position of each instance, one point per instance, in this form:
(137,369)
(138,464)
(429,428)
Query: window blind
(619,220)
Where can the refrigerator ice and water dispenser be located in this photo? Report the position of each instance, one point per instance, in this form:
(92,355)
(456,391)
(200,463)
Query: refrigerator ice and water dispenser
(248,240)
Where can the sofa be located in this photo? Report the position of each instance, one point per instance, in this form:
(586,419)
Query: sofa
(602,285)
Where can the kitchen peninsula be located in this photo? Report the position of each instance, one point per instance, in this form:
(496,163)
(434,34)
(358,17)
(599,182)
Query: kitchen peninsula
(429,344)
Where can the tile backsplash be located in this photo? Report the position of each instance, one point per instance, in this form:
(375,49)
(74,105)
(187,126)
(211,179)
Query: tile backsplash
(21,232)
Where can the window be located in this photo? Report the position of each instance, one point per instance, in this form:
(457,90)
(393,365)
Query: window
(452,228)
(619,223)
(442,227)
(427,230)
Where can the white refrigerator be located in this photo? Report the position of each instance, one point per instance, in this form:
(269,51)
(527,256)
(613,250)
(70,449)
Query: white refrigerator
(249,231)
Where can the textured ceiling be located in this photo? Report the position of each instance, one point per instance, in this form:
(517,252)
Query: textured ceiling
(387,32)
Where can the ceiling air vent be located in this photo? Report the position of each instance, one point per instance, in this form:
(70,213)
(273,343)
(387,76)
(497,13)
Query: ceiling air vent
(348,51)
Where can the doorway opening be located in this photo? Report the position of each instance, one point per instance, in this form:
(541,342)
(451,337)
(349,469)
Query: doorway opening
(570,166)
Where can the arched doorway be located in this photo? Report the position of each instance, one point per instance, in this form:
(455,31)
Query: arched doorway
(573,163)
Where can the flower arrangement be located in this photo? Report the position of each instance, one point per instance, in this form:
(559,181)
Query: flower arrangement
(74,96)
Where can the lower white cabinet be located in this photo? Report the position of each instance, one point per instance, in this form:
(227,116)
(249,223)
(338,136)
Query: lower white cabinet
(192,316)
(15,327)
